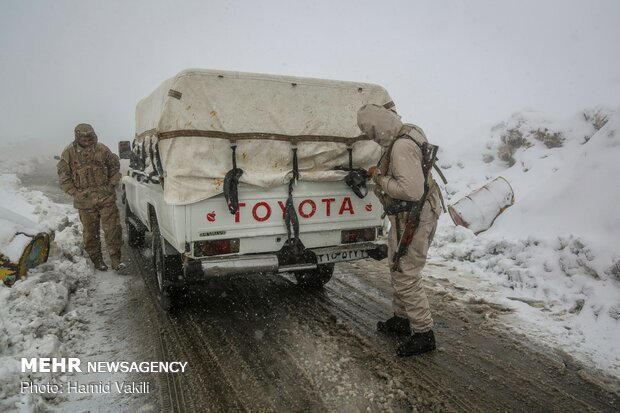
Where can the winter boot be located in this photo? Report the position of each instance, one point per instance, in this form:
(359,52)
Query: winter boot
(118,266)
(418,343)
(394,325)
(121,269)
(100,265)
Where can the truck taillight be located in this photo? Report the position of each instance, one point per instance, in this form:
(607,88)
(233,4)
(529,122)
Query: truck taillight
(216,247)
(358,235)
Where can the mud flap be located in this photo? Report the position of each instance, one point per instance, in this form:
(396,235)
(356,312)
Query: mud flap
(293,252)
(378,253)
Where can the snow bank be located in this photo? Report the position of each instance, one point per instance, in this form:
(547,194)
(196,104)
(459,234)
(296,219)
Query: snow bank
(35,320)
(557,246)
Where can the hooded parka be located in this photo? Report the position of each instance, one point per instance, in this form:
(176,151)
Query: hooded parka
(401,177)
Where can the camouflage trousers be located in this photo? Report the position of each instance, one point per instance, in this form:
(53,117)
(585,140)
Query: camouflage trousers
(104,216)
(409,298)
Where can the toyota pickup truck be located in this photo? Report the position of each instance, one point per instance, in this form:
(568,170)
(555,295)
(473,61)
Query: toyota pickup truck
(242,173)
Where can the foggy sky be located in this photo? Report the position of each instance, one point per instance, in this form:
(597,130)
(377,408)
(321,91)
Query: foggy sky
(450,66)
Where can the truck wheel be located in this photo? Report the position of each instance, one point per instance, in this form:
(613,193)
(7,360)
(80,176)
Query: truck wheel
(167,269)
(135,236)
(315,278)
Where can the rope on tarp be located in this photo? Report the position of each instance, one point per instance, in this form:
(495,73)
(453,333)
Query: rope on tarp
(291,219)
(251,135)
(231,182)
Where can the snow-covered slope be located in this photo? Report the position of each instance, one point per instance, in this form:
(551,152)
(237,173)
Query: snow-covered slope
(557,246)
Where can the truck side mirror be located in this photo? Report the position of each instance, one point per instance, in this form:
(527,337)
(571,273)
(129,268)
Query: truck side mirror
(124,150)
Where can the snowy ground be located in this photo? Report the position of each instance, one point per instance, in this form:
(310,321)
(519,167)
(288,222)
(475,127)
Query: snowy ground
(62,309)
(551,257)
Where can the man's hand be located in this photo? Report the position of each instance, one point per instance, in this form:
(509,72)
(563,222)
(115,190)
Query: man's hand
(374,173)
(79,194)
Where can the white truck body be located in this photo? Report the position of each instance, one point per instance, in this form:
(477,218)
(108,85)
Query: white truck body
(324,209)
(182,152)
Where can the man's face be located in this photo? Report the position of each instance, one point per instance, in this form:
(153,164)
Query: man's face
(86,140)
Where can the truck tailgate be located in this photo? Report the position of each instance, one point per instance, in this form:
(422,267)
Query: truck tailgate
(325,206)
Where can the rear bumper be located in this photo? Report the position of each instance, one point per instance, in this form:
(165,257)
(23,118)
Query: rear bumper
(271,263)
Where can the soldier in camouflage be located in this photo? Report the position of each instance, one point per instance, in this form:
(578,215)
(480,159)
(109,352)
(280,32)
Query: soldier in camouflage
(90,172)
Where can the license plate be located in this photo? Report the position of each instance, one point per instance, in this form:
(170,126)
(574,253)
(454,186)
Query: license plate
(341,256)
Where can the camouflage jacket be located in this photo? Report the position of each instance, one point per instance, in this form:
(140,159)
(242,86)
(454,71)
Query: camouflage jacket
(89,175)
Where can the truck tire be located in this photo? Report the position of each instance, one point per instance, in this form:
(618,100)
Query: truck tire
(166,269)
(135,236)
(315,278)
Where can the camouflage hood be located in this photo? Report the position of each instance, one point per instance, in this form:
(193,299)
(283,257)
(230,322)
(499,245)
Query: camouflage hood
(85,129)
(379,124)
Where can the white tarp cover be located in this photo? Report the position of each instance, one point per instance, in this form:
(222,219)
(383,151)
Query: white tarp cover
(233,105)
